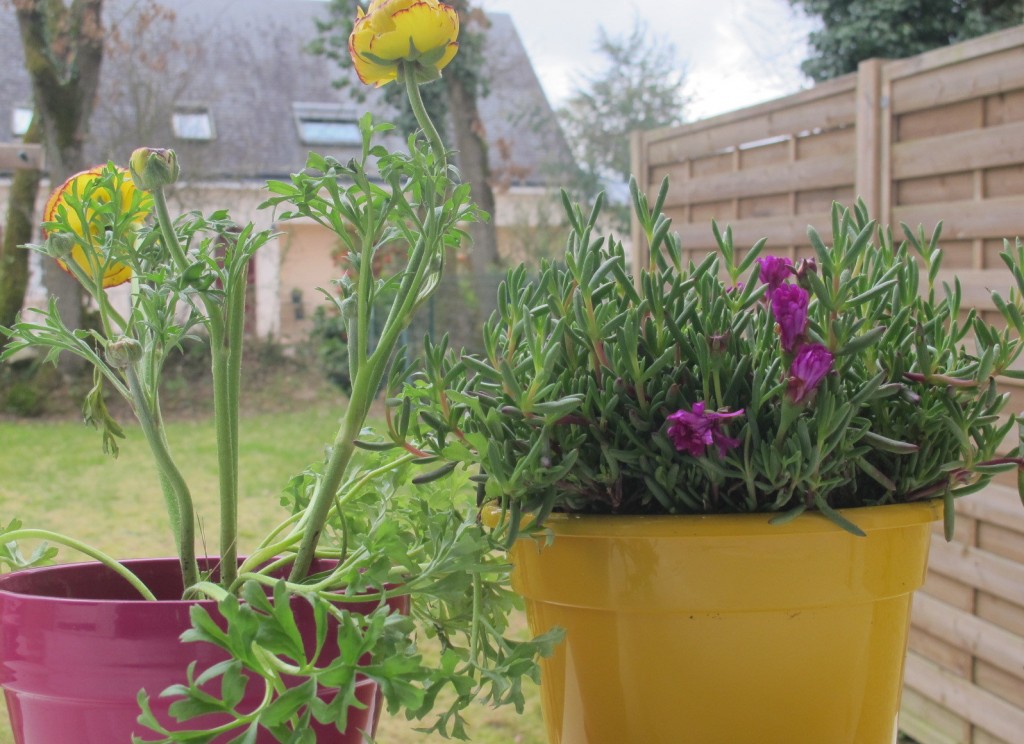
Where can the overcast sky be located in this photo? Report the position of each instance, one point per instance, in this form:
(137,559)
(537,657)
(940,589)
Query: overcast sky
(738,52)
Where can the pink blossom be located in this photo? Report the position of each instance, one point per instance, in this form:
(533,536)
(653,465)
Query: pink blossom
(809,367)
(695,430)
(789,306)
(774,272)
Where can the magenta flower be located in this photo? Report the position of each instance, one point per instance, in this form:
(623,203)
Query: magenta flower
(695,430)
(809,367)
(774,272)
(789,306)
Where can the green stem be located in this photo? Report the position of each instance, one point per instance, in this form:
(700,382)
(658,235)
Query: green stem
(474,641)
(176,494)
(369,375)
(226,353)
(99,555)
(227,448)
(412,90)
(341,453)
(225,420)
(163,216)
(94,286)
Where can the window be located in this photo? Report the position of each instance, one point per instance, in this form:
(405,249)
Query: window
(326,124)
(21,117)
(192,123)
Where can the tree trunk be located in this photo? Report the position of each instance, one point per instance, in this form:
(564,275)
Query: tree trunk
(468,134)
(63,48)
(20,222)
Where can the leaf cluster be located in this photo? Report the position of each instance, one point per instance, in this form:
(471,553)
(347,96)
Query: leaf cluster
(387,546)
(567,409)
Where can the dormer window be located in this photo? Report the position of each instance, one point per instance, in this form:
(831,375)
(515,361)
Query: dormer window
(21,118)
(192,123)
(326,124)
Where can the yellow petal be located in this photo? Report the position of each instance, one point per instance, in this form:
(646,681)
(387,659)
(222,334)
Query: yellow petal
(115,273)
(76,184)
(449,55)
(370,73)
(427,27)
(382,10)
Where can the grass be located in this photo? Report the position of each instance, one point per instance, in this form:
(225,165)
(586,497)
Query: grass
(54,475)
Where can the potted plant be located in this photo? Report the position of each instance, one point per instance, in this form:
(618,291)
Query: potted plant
(720,478)
(306,634)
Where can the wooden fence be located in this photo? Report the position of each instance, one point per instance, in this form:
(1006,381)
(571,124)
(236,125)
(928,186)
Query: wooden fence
(935,137)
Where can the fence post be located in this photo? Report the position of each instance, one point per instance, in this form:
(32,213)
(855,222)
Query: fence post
(868,183)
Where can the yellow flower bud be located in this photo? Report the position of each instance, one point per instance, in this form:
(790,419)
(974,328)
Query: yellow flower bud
(153,168)
(90,231)
(421,32)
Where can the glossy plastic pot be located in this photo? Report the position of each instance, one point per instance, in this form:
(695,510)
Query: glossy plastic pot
(725,629)
(77,644)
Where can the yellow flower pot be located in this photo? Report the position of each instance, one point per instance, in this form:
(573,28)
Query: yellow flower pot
(725,629)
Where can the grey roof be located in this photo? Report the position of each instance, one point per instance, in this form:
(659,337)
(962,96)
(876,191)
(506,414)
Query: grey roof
(245,62)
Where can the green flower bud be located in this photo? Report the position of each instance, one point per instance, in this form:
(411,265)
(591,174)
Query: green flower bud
(59,245)
(123,352)
(153,168)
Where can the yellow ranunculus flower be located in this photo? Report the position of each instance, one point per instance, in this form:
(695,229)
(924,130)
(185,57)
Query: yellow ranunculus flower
(394,31)
(130,198)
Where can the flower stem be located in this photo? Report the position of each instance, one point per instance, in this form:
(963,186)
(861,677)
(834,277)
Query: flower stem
(163,216)
(176,494)
(371,369)
(225,325)
(363,389)
(412,90)
(99,555)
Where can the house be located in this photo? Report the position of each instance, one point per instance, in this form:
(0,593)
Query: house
(230,85)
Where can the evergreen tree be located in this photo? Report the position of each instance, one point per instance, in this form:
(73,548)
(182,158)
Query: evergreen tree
(855,30)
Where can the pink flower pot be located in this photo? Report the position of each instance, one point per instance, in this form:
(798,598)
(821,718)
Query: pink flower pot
(77,644)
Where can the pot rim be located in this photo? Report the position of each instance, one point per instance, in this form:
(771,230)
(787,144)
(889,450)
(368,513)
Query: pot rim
(18,578)
(757,524)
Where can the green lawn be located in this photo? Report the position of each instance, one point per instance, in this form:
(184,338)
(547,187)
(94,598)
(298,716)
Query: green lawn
(54,475)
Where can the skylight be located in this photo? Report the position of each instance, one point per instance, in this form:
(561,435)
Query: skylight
(21,118)
(192,124)
(326,124)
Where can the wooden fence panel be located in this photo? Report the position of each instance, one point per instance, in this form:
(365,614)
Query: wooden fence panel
(939,136)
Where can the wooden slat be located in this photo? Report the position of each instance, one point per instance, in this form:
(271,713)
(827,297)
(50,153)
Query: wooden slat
(837,86)
(965,699)
(999,541)
(17,156)
(979,569)
(1007,685)
(946,655)
(984,66)
(927,722)
(996,646)
(963,220)
(813,173)
(997,504)
(980,46)
(824,112)
(962,151)
(780,231)
(998,611)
